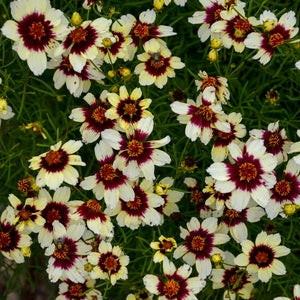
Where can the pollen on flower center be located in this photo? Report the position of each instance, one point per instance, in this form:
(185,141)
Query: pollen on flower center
(110,263)
(225,135)
(4,240)
(208,81)
(217,15)
(197,197)
(273,140)
(167,245)
(157,60)
(276,39)
(141,31)
(99,114)
(135,204)
(231,213)
(206,112)
(75,289)
(198,243)
(94,206)
(54,157)
(107,172)
(171,288)
(24,185)
(234,278)
(24,214)
(261,257)
(37,30)
(247,171)
(130,109)
(61,251)
(78,35)
(66,63)
(135,148)
(241,28)
(53,215)
(283,188)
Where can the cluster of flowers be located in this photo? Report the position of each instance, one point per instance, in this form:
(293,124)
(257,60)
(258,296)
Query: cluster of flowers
(243,184)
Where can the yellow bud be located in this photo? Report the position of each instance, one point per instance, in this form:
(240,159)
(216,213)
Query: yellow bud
(60,98)
(216,43)
(125,72)
(88,267)
(158,4)
(213,55)
(216,258)
(115,89)
(3,105)
(107,42)
(26,251)
(111,73)
(76,19)
(269,24)
(289,209)
(161,189)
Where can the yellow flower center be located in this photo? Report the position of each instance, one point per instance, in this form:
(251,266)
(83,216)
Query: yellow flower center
(241,28)
(78,35)
(247,171)
(75,289)
(141,31)
(53,157)
(110,263)
(99,114)
(130,109)
(4,240)
(167,245)
(283,188)
(37,30)
(198,243)
(171,288)
(135,148)
(276,39)
(107,172)
(231,213)
(205,112)
(135,204)
(94,206)
(261,257)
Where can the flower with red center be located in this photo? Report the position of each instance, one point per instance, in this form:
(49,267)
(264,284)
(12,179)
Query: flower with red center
(176,285)
(201,116)
(11,239)
(87,4)
(142,210)
(163,246)
(109,263)
(82,42)
(275,141)
(251,175)
(199,244)
(28,214)
(56,165)
(57,208)
(261,257)
(69,290)
(157,64)
(296,293)
(117,45)
(126,108)
(66,253)
(136,155)
(93,118)
(236,280)
(108,182)
(277,34)
(35,31)
(285,191)
(76,82)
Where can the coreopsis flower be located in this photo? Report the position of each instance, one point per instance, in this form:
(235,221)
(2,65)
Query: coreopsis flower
(128,109)
(251,175)
(76,82)
(93,118)
(69,290)
(234,28)
(219,84)
(199,244)
(96,220)
(108,182)
(234,279)
(157,64)
(295,147)
(198,197)
(82,42)
(140,211)
(201,116)
(56,165)
(87,4)
(140,295)
(11,239)
(164,246)
(219,151)
(66,251)
(234,221)
(109,263)
(57,208)
(275,141)
(176,285)
(296,293)
(5,110)
(261,257)
(143,29)
(28,214)
(136,155)
(189,164)
(277,33)
(35,31)
(285,191)
(116,46)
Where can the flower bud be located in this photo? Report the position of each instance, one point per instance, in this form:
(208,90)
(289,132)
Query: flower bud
(289,209)
(269,24)
(216,43)
(213,55)
(161,189)
(76,19)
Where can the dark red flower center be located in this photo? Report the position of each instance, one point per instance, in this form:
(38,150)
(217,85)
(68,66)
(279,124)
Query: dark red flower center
(247,171)
(61,251)
(65,62)
(37,30)
(157,60)
(110,263)
(94,206)
(171,288)
(205,112)
(198,243)
(54,157)
(217,14)
(167,245)
(241,28)
(283,188)
(52,215)
(99,115)
(24,214)
(76,289)
(78,35)
(24,185)
(107,172)
(231,213)
(273,140)
(135,204)
(4,240)
(208,81)
(197,196)
(141,31)
(130,109)
(276,39)
(261,257)
(135,148)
